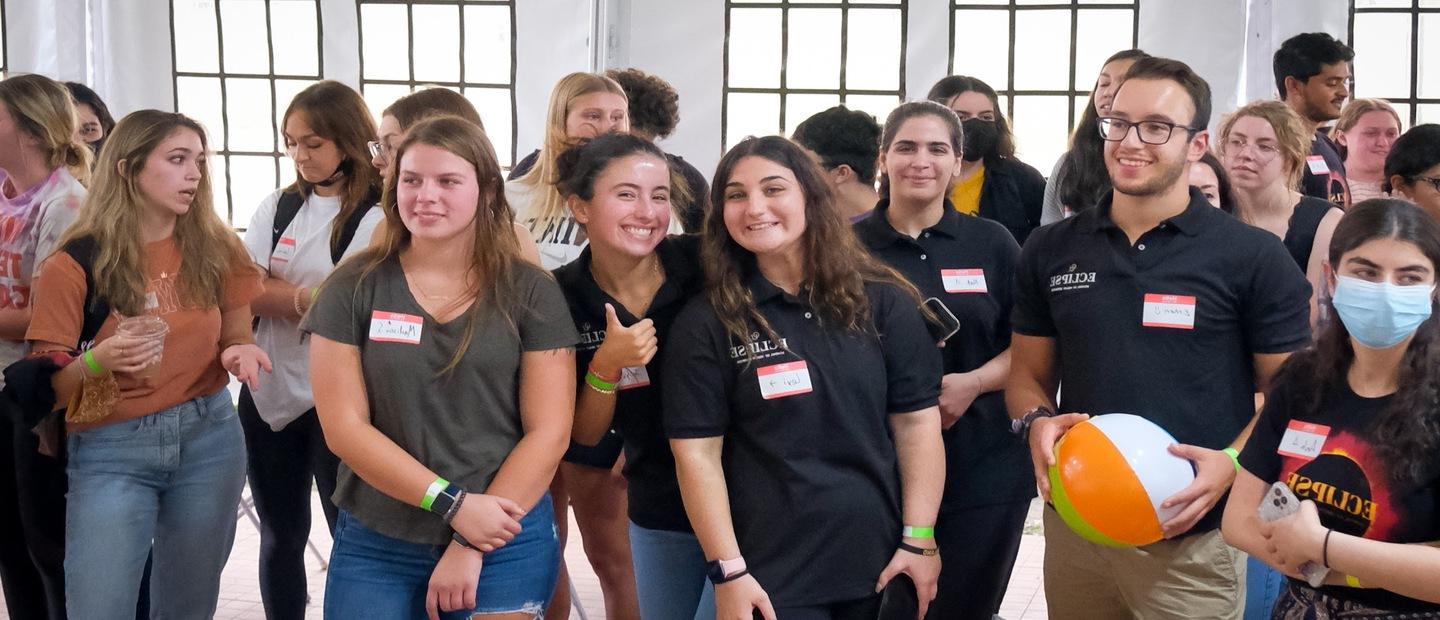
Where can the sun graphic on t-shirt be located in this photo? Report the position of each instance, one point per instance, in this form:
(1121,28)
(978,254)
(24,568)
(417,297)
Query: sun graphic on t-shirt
(1348,487)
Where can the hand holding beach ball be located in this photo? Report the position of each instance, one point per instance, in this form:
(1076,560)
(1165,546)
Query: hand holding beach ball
(1111,474)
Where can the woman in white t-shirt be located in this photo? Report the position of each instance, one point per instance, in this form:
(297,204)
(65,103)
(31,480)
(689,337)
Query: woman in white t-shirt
(331,213)
(39,198)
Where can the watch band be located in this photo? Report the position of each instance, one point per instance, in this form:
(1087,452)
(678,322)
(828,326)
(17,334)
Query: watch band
(1021,426)
(721,571)
(445,499)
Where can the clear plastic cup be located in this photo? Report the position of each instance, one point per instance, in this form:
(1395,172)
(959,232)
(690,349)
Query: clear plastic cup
(148,328)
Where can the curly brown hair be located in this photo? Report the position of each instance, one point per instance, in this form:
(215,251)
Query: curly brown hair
(654,104)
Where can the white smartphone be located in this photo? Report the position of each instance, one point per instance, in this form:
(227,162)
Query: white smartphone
(1279,502)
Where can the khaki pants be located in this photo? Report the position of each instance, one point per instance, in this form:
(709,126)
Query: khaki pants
(1195,577)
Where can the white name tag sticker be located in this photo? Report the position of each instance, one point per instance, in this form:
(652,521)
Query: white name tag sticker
(633,377)
(1317,164)
(1303,440)
(781,380)
(395,327)
(1170,311)
(963,280)
(284,250)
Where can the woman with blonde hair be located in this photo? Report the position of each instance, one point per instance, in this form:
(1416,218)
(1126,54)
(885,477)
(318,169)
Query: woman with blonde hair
(156,453)
(41,167)
(1264,146)
(1365,132)
(433,360)
(297,236)
(582,107)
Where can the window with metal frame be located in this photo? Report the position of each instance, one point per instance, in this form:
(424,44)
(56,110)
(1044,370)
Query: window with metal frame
(465,45)
(786,60)
(1041,57)
(1397,55)
(237,65)
(4,58)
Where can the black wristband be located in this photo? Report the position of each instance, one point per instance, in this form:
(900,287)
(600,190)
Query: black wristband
(931,552)
(1325,550)
(728,578)
(1021,426)
(460,540)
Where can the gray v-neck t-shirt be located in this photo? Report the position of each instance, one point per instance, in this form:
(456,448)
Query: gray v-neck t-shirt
(462,425)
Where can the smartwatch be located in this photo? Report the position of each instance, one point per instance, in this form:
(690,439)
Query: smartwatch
(445,499)
(721,571)
(1021,426)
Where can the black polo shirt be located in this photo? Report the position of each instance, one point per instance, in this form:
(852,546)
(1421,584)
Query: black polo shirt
(654,497)
(1165,328)
(809,460)
(969,264)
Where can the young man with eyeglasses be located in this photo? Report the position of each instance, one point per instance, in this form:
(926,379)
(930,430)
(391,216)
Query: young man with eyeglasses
(1156,304)
(1312,74)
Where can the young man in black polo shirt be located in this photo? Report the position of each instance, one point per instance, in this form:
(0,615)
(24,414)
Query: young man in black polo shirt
(1312,74)
(1157,304)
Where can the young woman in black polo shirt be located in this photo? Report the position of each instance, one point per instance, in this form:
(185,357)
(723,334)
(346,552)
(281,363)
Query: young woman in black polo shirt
(1352,426)
(624,291)
(801,402)
(968,264)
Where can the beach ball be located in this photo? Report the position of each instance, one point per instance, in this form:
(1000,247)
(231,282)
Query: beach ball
(1111,472)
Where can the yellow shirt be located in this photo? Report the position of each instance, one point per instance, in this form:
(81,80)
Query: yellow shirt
(966,194)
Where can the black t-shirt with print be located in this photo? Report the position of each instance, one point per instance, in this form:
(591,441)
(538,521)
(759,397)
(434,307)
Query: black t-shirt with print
(810,464)
(1329,183)
(1329,457)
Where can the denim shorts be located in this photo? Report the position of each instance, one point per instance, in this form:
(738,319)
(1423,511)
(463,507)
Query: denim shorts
(375,576)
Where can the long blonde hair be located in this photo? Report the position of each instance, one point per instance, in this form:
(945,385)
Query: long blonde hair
(543,176)
(43,108)
(111,216)
(495,255)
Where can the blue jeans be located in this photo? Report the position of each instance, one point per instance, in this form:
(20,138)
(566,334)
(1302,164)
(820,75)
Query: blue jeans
(172,477)
(670,575)
(1262,588)
(375,576)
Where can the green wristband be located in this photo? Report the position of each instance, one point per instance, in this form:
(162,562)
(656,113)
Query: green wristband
(90,363)
(1234,456)
(911,531)
(432,492)
(600,385)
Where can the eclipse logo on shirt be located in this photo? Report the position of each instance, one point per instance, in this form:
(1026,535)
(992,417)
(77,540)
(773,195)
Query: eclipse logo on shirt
(759,348)
(1071,280)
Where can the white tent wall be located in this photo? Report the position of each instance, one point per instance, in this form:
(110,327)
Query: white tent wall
(1229,42)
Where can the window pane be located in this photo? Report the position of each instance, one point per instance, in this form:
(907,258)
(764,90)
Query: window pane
(1428,71)
(813,60)
(221,199)
(1380,4)
(194,32)
(241,23)
(487,44)
(437,43)
(970,2)
(800,107)
(494,107)
(200,99)
(750,114)
(1042,43)
(386,41)
(293,34)
(247,110)
(1099,34)
(872,60)
(251,180)
(285,91)
(1428,113)
(982,43)
(878,106)
(754,48)
(1382,68)
(380,96)
(1040,129)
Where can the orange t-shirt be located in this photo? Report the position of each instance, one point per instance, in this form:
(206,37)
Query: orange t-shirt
(190,366)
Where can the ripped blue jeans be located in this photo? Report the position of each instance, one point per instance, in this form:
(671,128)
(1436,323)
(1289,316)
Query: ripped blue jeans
(375,576)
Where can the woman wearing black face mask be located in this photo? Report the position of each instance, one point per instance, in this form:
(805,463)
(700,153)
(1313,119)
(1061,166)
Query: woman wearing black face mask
(991,182)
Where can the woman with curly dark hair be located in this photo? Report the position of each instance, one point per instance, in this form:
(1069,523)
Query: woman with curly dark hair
(1352,427)
(654,114)
(809,367)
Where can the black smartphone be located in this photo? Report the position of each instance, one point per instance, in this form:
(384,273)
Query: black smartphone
(899,601)
(944,324)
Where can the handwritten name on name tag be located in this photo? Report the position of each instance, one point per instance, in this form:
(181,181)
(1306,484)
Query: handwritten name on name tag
(395,327)
(1170,311)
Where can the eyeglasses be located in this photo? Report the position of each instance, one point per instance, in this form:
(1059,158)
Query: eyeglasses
(1261,153)
(1432,181)
(380,150)
(1150,132)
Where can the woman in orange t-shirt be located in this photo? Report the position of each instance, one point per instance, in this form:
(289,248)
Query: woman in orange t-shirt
(156,453)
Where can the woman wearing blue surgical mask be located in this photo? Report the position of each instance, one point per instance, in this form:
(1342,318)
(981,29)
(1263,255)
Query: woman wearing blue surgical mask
(1352,426)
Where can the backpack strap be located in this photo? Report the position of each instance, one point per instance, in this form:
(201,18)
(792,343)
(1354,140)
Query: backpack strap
(285,210)
(96,309)
(351,225)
